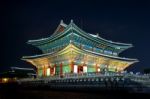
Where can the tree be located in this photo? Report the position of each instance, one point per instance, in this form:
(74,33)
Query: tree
(147,70)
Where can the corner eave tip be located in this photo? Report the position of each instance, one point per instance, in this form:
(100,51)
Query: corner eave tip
(71,21)
(61,21)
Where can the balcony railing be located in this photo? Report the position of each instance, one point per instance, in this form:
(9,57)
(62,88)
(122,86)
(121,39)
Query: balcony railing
(134,77)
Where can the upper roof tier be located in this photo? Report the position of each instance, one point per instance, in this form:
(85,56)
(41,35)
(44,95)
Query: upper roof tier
(63,29)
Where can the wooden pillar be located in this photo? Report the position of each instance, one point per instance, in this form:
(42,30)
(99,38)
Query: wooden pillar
(78,68)
(50,70)
(37,72)
(96,68)
(61,69)
(43,69)
(54,69)
(72,66)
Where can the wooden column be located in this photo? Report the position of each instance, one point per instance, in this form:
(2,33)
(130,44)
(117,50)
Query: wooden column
(37,72)
(96,68)
(72,66)
(54,69)
(43,71)
(51,71)
(61,69)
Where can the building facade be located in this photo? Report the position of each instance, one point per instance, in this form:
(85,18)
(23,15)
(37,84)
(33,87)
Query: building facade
(71,50)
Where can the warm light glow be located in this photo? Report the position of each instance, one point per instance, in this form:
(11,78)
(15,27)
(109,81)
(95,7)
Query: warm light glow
(70,61)
(121,68)
(84,69)
(48,71)
(98,70)
(5,80)
(75,69)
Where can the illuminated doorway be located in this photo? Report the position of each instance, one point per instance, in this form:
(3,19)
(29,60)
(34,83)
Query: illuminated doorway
(48,72)
(75,69)
(84,69)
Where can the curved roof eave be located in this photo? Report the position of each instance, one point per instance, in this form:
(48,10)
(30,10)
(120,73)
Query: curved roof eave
(110,40)
(73,46)
(121,45)
(100,38)
(42,39)
(48,38)
(59,26)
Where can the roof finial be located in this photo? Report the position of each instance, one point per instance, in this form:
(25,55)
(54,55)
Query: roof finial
(71,20)
(97,34)
(70,41)
(61,21)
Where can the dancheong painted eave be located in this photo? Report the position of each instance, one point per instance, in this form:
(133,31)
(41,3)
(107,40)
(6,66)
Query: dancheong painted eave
(93,37)
(72,53)
(73,47)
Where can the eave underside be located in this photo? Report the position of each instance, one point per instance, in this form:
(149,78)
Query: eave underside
(73,54)
(73,27)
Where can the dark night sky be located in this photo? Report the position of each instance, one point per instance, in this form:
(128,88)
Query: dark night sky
(127,22)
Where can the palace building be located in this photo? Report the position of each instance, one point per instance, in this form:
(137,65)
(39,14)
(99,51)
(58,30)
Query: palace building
(71,50)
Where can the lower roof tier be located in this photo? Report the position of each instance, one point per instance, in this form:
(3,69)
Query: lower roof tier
(73,54)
